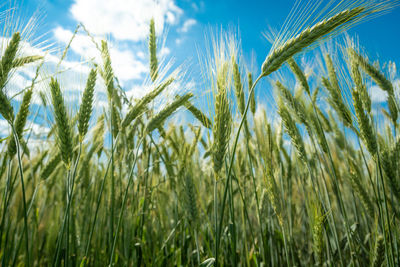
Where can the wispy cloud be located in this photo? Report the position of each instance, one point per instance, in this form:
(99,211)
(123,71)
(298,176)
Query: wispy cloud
(189,23)
(126,65)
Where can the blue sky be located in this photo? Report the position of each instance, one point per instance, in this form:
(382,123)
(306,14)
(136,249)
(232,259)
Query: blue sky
(187,23)
(380,36)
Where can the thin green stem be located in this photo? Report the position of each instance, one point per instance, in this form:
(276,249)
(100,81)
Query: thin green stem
(21,173)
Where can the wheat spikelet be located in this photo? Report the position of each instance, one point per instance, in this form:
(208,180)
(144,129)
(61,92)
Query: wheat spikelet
(380,79)
(156,163)
(373,72)
(366,130)
(8,58)
(64,135)
(107,71)
(222,120)
(336,97)
(6,110)
(253,95)
(307,37)
(293,132)
(337,103)
(198,114)
(153,52)
(140,106)
(116,120)
(360,85)
(86,107)
(238,86)
(332,73)
(6,65)
(20,121)
(296,105)
(98,131)
(390,171)
(157,120)
(19,62)
(190,199)
(300,76)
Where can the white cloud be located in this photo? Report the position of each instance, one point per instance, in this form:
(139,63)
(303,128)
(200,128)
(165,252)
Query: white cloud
(126,64)
(125,19)
(377,94)
(82,44)
(187,25)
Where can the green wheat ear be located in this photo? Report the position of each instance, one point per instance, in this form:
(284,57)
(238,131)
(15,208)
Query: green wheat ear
(8,58)
(107,72)
(153,52)
(20,120)
(253,95)
(64,135)
(380,79)
(140,106)
(198,114)
(300,76)
(360,85)
(366,130)
(293,131)
(335,93)
(190,199)
(167,111)
(238,86)
(222,120)
(86,107)
(19,62)
(6,65)
(306,38)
